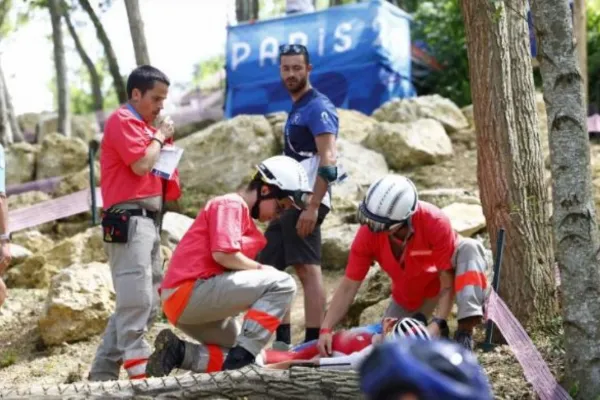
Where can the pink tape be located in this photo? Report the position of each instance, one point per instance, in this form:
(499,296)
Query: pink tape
(52,210)
(534,367)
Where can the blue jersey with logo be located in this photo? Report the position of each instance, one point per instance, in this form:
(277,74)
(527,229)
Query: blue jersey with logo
(311,115)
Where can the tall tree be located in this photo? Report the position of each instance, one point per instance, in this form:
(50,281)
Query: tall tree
(574,214)
(96,83)
(138,37)
(580,26)
(111,58)
(10,131)
(246,10)
(509,158)
(64,113)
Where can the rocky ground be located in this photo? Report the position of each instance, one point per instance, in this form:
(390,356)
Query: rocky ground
(60,291)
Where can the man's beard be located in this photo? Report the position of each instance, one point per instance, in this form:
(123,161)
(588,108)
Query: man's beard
(298,87)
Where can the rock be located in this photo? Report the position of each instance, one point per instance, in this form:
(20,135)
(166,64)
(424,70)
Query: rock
(222,157)
(27,199)
(84,127)
(421,142)
(173,228)
(60,156)
(364,167)
(18,254)
(375,287)
(20,304)
(445,196)
(335,246)
(374,313)
(80,301)
(415,108)
(20,162)
(33,240)
(468,113)
(77,181)
(466,219)
(277,121)
(37,271)
(354,125)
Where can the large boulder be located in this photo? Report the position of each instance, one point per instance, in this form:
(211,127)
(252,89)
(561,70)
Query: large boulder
(84,127)
(20,163)
(174,226)
(76,181)
(363,166)
(335,246)
(27,199)
(354,125)
(222,157)
(466,219)
(61,156)
(37,271)
(415,108)
(33,240)
(80,300)
(375,287)
(421,142)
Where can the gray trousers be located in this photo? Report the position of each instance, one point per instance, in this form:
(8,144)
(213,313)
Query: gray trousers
(210,314)
(136,275)
(470,283)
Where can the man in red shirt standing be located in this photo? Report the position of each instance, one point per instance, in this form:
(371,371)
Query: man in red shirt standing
(132,200)
(426,260)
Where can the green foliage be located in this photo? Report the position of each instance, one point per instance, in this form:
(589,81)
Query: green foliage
(207,68)
(440,24)
(593,46)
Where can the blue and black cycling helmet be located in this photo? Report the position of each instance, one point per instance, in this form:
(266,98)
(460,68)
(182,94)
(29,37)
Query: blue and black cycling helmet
(436,369)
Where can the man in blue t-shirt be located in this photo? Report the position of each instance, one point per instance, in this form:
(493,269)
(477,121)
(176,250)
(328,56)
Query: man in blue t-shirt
(295,238)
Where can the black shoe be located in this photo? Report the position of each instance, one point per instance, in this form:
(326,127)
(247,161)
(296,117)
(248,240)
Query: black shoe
(168,354)
(465,339)
(238,357)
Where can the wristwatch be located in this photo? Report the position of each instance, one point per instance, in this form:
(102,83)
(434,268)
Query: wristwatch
(443,325)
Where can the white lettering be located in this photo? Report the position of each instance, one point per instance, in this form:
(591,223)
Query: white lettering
(298,38)
(341,33)
(240,51)
(269,49)
(321,49)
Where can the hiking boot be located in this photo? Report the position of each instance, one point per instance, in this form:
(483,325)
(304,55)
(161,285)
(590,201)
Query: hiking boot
(238,357)
(168,354)
(282,346)
(465,339)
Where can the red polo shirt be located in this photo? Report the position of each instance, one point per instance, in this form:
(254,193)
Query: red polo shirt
(429,251)
(126,138)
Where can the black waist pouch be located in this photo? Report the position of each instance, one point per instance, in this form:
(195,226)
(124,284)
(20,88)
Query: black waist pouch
(115,225)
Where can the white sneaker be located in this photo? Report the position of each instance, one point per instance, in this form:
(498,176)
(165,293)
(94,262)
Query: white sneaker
(281,346)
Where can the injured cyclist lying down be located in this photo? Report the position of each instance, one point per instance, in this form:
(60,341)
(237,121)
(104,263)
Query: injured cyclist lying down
(349,347)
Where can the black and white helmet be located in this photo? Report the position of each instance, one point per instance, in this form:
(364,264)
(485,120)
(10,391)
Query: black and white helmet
(408,328)
(389,201)
(288,175)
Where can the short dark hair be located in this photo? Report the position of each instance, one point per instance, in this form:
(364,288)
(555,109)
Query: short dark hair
(293,50)
(143,78)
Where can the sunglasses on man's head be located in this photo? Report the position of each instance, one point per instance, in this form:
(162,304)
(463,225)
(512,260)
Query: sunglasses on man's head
(287,49)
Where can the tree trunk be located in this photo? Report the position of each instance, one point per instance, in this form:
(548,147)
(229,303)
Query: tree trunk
(574,213)
(6,133)
(247,383)
(254,10)
(64,117)
(17,133)
(138,37)
(507,152)
(580,27)
(89,64)
(111,58)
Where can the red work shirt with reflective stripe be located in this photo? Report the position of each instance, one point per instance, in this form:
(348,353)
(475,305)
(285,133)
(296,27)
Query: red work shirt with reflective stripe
(125,140)
(224,225)
(429,251)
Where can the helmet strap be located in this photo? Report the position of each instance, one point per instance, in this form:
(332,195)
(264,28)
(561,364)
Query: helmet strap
(255,211)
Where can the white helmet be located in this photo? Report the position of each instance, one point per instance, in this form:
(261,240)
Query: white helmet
(288,175)
(408,328)
(389,201)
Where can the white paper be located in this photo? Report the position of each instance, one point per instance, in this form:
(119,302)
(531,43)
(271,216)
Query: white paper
(167,161)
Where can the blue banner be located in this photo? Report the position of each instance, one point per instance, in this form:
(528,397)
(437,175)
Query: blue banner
(360,53)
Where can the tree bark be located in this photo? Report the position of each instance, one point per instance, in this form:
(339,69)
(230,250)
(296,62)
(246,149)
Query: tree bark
(574,213)
(580,26)
(95,81)
(247,383)
(111,58)
(17,133)
(138,37)
(6,133)
(509,159)
(64,112)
